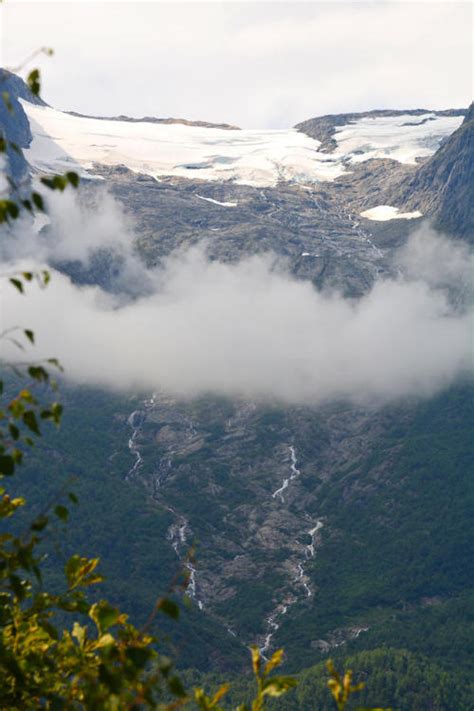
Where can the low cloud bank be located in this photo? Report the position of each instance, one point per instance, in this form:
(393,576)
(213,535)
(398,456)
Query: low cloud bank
(82,230)
(76,227)
(251,330)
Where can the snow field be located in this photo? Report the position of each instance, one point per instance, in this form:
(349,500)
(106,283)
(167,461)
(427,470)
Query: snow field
(259,158)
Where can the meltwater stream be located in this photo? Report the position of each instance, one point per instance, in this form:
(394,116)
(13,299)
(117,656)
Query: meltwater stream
(177,531)
(286,482)
(136,421)
(177,535)
(273,621)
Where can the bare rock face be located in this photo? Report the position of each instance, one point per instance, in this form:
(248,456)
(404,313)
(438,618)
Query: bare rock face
(14,124)
(170,120)
(442,187)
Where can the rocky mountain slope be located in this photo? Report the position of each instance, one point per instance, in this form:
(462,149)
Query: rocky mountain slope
(14,122)
(442,187)
(316,527)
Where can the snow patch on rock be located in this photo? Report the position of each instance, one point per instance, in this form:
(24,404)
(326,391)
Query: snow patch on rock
(403,138)
(381,213)
(217,202)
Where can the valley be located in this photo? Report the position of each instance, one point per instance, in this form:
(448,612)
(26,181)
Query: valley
(325,527)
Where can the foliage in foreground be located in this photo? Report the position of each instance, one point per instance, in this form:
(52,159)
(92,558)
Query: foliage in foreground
(395,678)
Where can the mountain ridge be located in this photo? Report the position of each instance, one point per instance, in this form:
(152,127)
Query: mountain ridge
(442,187)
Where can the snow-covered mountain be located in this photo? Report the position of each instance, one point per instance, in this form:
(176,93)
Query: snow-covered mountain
(259,158)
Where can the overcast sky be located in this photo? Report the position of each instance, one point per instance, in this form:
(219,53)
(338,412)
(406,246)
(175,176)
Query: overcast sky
(254,64)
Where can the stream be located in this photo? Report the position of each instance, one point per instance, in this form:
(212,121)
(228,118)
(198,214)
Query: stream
(294,473)
(178,538)
(136,421)
(273,621)
(177,531)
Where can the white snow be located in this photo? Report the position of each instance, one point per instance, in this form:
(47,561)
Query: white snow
(216,202)
(381,213)
(46,153)
(260,158)
(250,157)
(403,138)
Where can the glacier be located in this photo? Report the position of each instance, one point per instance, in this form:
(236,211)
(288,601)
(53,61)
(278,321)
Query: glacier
(254,157)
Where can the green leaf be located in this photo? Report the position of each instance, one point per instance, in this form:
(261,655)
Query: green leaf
(49,628)
(104,615)
(38,373)
(18,586)
(104,640)
(56,182)
(139,656)
(278,685)
(40,523)
(169,607)
(17,284)
(27,396)
(14,431)
(112,681)
(73,497)
(80,633)
(274,661)
(73,178)
(61,512)
(29,334)
(17,456)
(10,209)
(7,465)
(54,413)
(33,81)
(80,571)
(176,687)
(256,659)
(37,201)
(29,418)
(56,363)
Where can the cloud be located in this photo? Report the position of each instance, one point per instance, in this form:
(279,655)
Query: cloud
(75,228)
(436,260)
(252,330)
(90,229)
